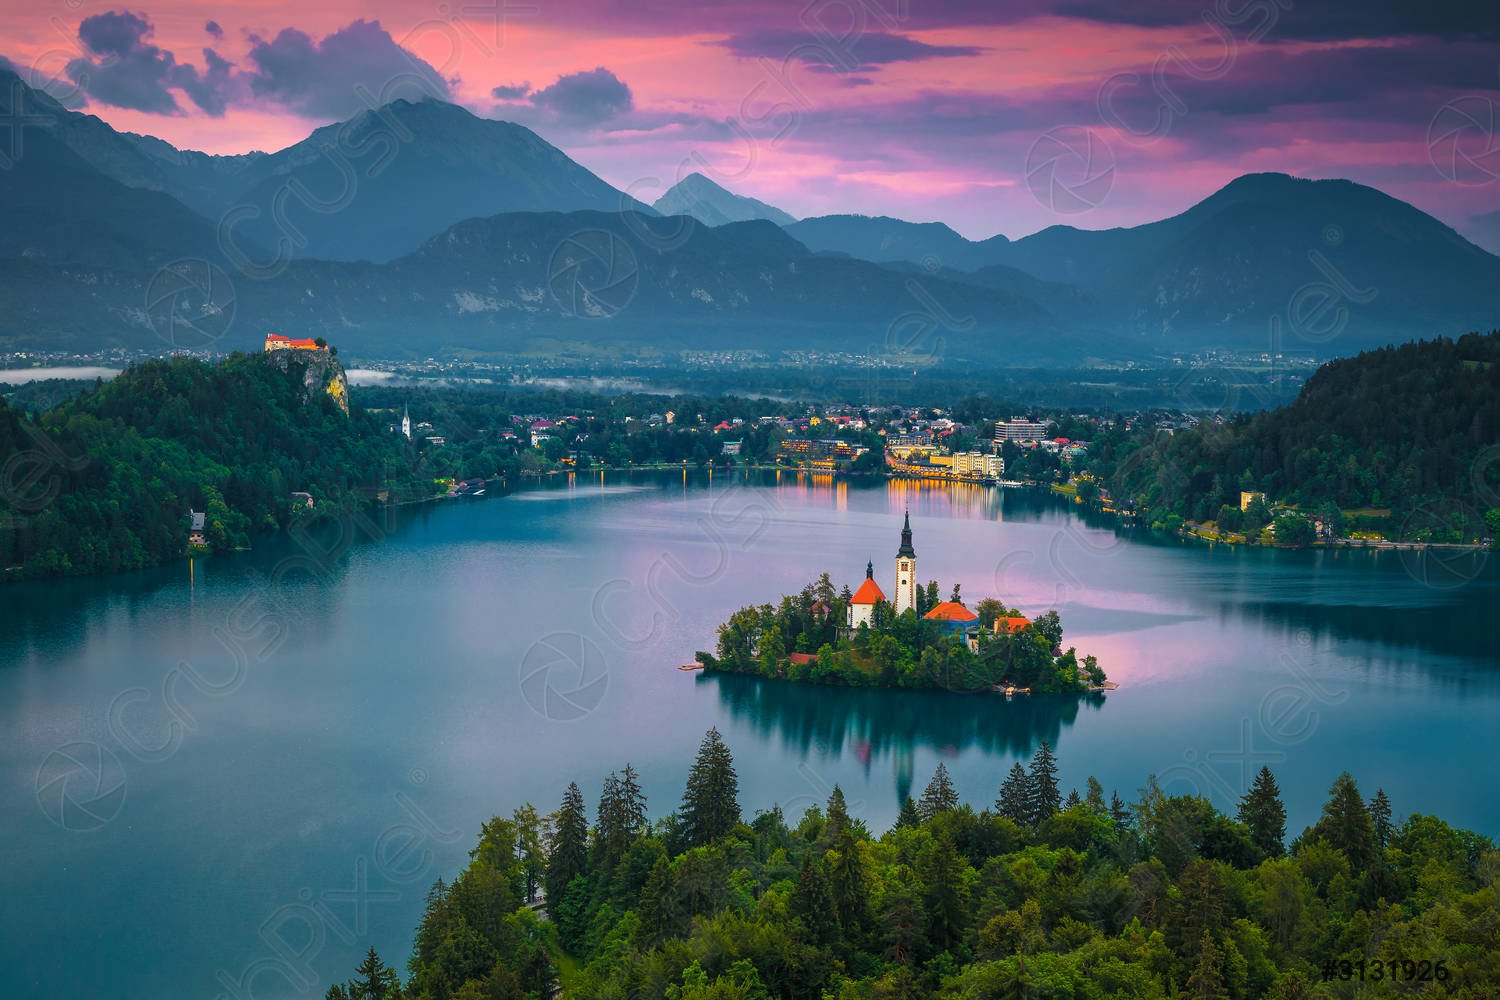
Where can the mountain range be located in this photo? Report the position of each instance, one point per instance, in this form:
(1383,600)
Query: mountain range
(709,203)
(418,228)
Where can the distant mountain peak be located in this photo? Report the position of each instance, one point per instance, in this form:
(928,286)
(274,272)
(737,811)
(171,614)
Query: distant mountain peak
(710,203)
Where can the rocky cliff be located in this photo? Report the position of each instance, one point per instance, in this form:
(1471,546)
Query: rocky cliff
(320,372)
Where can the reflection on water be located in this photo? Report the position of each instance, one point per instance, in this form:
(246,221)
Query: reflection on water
(875,725)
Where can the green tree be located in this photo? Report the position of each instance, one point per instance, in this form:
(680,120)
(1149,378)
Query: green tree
(1262,812)
(570,844)
(1346,823)
(1014,801)
(1045,799)
(1094,798)
(1380,816)
(529,844)
(940,796)
(908,817)
(374,980)
(1207,980)
(710,803)
(812,903)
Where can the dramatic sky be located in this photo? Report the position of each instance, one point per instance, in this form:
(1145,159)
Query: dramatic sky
(992,117)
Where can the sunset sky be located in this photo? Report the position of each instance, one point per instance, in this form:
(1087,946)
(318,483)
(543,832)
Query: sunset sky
(993,117)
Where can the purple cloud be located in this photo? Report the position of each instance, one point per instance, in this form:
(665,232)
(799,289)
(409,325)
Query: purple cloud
(354,68)
(124,69)
(824,52)
(212,27)
(587,97)
(511,91)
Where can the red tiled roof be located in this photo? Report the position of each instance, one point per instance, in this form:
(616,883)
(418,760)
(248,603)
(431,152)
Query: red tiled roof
(869,592)
(803,658)
(1011,625)
(951,611)
(309,344)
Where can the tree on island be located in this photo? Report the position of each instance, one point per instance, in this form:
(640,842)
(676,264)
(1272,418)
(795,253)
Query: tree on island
(989,609)
(710,803)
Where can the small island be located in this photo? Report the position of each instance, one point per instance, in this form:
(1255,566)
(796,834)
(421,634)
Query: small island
(916,640)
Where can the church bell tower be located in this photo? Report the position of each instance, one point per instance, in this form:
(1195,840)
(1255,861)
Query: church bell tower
(906,570)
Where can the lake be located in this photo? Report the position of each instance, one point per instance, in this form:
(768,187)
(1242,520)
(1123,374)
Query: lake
(230,778)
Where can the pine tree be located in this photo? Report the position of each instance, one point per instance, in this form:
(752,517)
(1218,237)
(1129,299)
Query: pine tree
(710,804)
(838,815)
(570,845)
(1346,823)
(1207,980)
(1072,799)
(908,817)
(1261,810)
(374,980)
(812,903)
(622,817)
(956,599)
(1014,802)
(632,802)
(1120,813)
(656,912)
(945,894)
(940,795)
(1045,798)
(1094,799)
(848,880)
(1380,815)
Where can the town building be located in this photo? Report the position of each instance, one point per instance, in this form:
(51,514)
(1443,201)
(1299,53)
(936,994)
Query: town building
(197,525)
(1020,429)
(1248,497)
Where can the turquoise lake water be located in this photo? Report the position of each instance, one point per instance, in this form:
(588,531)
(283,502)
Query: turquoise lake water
(232,780)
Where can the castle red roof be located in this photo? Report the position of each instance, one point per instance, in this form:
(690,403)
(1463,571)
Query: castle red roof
(869,592)
(803,658)
(951,611)
(1011,625)
(277,340)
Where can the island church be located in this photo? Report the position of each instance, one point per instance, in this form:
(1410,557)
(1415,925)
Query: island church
(952,616)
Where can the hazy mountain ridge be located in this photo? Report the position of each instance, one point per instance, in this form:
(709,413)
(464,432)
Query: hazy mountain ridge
(704,200)
(91,214)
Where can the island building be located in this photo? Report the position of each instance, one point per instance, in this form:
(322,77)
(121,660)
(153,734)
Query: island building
(862,604)
(406,422)
(906,570)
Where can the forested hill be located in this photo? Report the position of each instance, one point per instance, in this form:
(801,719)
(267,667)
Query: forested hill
(1042,896)
(105,481)
(1399,428)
